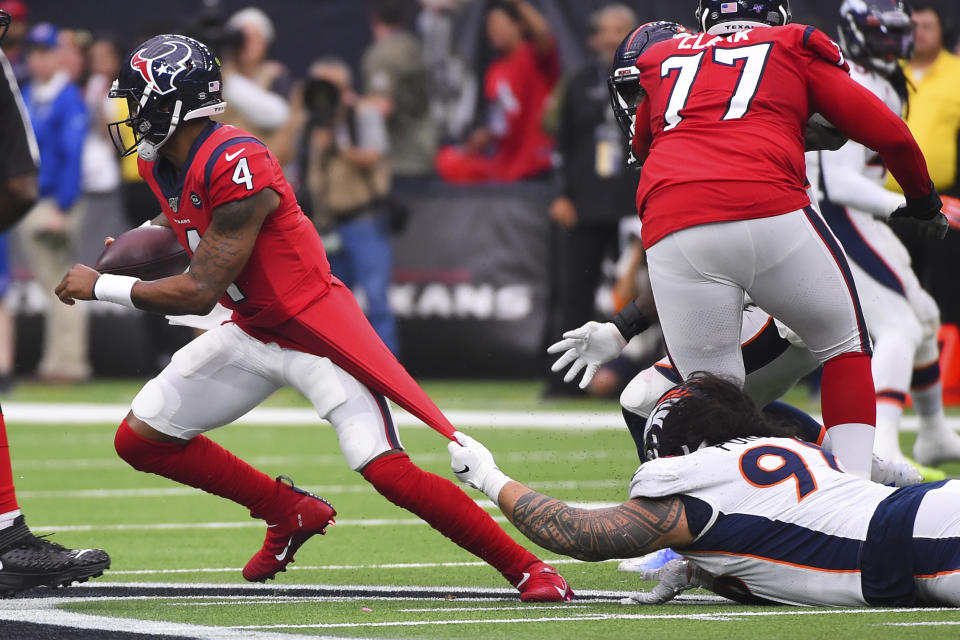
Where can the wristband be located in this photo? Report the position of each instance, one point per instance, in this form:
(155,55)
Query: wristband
(493,483)
(631,322)
(116,289)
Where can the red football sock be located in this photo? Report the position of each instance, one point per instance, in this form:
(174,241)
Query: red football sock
(448,510)
(847,394)
(204,464)
(8,499)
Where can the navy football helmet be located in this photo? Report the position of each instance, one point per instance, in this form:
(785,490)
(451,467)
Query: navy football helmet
(624,81)
(876,33)
(665,434)
(5,20)
(166,80)
(723,17)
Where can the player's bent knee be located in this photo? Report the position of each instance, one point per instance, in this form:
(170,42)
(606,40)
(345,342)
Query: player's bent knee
(360,446)
(642,393)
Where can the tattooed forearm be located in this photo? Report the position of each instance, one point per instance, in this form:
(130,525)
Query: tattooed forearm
(631,529)
(222,254)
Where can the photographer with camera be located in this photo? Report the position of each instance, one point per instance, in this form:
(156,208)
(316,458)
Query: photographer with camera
(255,88)
(345,180)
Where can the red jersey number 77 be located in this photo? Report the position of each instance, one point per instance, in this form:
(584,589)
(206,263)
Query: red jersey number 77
(755,59)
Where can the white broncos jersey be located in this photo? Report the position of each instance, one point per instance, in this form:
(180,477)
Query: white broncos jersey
(775,515)
(854,176)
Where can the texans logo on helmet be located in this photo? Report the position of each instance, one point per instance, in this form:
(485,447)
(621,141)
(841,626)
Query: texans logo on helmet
(161,64)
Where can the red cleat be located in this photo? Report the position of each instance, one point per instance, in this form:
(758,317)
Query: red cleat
(308,515)
(542,583)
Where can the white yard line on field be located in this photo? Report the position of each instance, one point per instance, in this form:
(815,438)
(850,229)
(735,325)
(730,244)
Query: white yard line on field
(339,567)
(88,413)
(163,526)
(324,490)
(720,616)
(44,611)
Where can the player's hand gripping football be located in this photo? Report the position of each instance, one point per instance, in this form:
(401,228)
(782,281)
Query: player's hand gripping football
(587,348)
(474,465)
(925,214)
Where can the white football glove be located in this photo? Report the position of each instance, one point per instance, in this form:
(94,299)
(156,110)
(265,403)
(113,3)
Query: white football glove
(588,347)
(474,465)
(673,578)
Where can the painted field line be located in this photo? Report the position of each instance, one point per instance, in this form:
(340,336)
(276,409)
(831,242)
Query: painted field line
(338,567)
(723,616)
(42,611)
(336,460)
(166,526)
(393,592)
(332,489)
(931,623)
(88,413)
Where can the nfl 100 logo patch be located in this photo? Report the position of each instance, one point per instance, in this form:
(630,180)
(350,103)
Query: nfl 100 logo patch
(174,203)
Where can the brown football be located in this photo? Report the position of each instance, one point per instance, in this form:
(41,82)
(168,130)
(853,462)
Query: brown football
(148,253)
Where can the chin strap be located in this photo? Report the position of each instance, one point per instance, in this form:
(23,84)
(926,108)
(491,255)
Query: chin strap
(148,150)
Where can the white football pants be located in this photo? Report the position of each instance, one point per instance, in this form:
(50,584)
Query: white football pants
(791,265)
(224,373)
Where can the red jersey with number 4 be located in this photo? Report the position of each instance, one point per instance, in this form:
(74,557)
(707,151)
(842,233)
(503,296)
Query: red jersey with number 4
(722,127)
(288,268)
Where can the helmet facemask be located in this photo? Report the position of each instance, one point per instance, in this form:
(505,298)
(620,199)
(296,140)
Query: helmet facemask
(626,94)
(152,119)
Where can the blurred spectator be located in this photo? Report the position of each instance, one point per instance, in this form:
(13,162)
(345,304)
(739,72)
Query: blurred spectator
(15,40)
(517,86)
(49,232)
(101,167)
(73,45)
(394,72)
(256,89)
(346,176)
(454,85)
(933,116)
(597,188)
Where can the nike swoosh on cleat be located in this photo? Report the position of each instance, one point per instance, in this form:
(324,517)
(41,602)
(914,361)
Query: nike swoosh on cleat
(283,554)
(464,470)
(526,576)
(229,157)
(562,592)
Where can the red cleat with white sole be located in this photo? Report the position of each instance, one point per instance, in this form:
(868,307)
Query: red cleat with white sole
(542,583)
(308,515)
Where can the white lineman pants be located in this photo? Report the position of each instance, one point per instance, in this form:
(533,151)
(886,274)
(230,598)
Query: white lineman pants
(224,373)
(791,265)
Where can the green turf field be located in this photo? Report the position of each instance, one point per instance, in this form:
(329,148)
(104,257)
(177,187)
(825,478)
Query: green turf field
(379,572)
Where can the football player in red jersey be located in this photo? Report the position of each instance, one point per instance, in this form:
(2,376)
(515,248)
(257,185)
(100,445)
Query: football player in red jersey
(293,323)
(720,134)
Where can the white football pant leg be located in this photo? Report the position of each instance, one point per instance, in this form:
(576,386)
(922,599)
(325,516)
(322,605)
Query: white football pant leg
(211,381)
(695,275)
(800,280)
(939,520)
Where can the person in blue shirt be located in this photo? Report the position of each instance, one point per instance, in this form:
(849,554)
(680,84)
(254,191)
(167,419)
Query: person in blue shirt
(49,232)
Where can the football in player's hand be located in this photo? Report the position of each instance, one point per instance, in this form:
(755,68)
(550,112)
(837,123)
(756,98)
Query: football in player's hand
(148,253)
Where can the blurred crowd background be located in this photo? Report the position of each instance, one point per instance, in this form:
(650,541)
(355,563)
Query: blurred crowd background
(459,158)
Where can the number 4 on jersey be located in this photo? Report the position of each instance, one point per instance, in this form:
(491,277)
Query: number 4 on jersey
(242,175)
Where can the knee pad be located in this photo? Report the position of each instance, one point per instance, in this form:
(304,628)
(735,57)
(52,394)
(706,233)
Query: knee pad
(642,393)
(155,404)
(360,444)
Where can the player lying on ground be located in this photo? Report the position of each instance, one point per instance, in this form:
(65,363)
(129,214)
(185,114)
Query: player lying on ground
(758,515)
(26,561)
(224,195)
